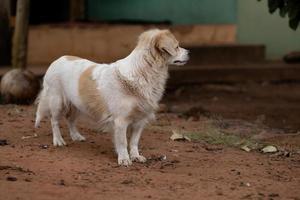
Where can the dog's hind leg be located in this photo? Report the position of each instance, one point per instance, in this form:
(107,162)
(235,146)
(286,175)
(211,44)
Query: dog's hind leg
(71,120)
(56,107)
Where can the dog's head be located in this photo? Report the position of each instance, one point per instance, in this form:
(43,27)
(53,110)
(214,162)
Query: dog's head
(163,45)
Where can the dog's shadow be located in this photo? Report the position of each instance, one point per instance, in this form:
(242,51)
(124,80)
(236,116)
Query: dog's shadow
(98,146)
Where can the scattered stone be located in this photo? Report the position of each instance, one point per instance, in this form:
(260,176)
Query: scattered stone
(11,178)
(167,164)
(261,194)
(282,154)
(245,184)
(3,142)
(175,161)
(273,195)
(287,154)
(213,148)
(103,152)
(269,149)
(236,172)
(28,180)
(248,196)
(157,158)
(44,146)
(164,157)
(62,182)
(161,158)
(126,182)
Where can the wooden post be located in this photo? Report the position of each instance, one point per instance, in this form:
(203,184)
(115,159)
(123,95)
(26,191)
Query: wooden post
(5,36)
(77,10)
(20,37)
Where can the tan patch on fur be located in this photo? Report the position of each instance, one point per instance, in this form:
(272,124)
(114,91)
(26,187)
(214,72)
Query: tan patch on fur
(70,58)
(166,42)
(160,43)
(128,86)
(90,95)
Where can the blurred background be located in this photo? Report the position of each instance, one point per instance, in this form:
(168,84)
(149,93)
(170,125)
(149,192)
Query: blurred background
(228,126)
(105,30)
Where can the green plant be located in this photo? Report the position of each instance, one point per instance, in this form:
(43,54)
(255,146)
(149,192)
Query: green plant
(287,7)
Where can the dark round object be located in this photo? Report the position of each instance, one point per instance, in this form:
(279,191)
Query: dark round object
(19,86)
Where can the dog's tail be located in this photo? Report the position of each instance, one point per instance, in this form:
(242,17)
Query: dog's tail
(43,106)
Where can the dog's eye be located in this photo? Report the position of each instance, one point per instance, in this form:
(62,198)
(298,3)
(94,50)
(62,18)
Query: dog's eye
(177,47)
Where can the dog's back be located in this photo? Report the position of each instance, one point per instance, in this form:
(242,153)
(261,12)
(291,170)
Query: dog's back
(61,84)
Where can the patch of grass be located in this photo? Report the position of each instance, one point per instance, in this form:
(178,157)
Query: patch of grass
(214,135)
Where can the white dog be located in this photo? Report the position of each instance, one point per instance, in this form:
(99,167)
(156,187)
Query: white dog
(122,96)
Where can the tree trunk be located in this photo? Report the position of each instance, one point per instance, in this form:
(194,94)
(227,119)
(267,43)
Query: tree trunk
(20,37)
(5,37)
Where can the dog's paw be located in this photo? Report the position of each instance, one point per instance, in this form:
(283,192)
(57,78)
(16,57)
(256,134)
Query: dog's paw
(77,137)
(138,158)
(59,141)
(124,162)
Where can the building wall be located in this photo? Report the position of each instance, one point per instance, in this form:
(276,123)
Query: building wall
(107,43)
(256,26)
(174,11)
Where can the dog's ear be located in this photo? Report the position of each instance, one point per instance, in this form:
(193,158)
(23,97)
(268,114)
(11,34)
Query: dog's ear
(166,42)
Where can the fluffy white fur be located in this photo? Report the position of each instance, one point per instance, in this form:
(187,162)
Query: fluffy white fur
(122,96)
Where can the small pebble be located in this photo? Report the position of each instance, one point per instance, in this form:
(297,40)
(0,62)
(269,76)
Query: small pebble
(44,146)
(62,182)
(3,142)
(11,178)
(126,182)
(27,180)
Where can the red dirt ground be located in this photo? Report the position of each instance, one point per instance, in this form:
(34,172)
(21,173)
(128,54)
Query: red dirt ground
(31,168)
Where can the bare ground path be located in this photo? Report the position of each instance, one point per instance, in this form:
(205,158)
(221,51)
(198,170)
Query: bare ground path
(30,168)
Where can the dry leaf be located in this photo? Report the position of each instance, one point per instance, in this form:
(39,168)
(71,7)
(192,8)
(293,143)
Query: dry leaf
(246,148)
(29,136)
(179,136)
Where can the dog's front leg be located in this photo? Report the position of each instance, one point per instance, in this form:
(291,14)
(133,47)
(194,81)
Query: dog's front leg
(120,129)
(137,129)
